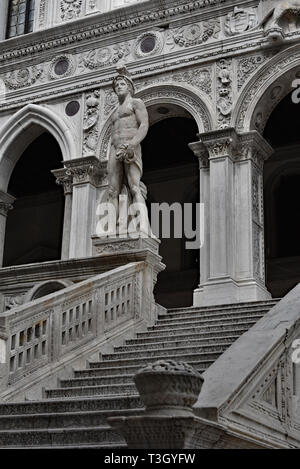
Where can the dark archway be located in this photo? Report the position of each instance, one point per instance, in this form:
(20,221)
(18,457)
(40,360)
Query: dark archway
(34,227)
(282,198)
(171,174)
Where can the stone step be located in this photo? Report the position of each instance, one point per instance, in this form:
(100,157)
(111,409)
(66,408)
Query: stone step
(125,370)
(213,314)
(111,390)
(178,342)
(168,351)
(198,319)
(60,437)
(46,406)
(202,322)
(114,371)
(226,307)
(202,336)
(141,361)
(222,328)
(60,420)
(96,381)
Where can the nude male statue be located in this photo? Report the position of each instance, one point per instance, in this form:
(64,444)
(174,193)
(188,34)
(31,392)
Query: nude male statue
(130,127)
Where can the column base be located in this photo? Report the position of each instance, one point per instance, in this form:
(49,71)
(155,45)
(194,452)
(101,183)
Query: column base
(227,291)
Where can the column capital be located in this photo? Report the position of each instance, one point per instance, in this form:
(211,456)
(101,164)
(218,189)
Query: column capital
(6,203)
(252,146)
(64,177)
(86,170)
(220,143)
(200,151)
(228,143)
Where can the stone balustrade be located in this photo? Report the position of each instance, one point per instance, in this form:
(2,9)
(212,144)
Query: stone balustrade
(41,334)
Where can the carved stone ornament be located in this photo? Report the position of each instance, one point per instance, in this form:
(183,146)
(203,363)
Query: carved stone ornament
(70,9)
(85,170)
(5,208)
(64,177)
(21,78)
(155,44)
(224,97)
(167,384)
(67,69)
(90,120)
(239,21)
(99,58)
(194,34)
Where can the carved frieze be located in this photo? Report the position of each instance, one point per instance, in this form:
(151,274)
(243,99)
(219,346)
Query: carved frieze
(194,34)
(23,77)
(104,57)
(199,77)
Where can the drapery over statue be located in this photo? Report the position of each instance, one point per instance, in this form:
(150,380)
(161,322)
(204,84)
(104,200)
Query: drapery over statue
(130,125)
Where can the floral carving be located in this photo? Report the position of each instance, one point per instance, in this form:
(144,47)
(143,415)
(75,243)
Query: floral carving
(21,78)
(90,120)
(224,97)
(194,34)
(105,56)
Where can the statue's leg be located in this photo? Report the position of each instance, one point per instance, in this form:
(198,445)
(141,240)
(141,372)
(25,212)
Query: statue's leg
(115,178)
(133,174)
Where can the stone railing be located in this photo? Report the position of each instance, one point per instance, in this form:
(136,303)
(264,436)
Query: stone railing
(36,336)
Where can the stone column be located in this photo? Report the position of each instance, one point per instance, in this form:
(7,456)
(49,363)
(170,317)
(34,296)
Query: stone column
(86,173)
(64,177)
(6,204)
(233,254)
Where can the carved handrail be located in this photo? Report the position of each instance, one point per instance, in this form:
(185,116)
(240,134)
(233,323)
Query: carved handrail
(46,330)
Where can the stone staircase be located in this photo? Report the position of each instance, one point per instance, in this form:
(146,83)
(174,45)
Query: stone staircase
(75,414)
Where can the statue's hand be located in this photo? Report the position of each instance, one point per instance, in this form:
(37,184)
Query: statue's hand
(130,155)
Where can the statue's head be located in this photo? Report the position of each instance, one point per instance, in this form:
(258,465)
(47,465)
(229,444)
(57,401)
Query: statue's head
(123,80)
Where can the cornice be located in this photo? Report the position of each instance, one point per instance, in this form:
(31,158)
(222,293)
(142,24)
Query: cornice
(109,24)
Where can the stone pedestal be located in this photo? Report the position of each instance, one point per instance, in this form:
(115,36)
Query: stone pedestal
(134,250)
(168,390)
(232,257)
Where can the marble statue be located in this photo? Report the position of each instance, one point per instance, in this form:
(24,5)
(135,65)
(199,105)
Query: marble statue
(129,128)
(288,9)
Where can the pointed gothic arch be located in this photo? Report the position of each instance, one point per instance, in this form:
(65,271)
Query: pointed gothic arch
(22,129)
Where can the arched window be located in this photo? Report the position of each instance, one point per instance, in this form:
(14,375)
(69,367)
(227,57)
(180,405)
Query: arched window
(20,17)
